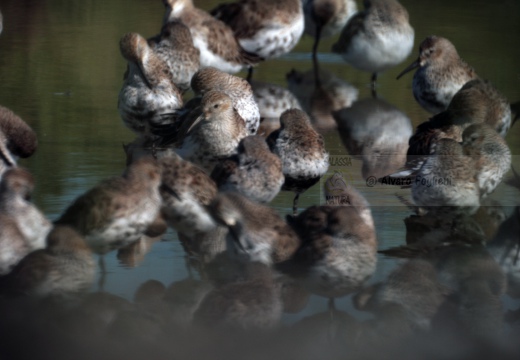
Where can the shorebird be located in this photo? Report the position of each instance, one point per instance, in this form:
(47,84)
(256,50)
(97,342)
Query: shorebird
(174,45)
(457,174)
(28,226)
(238,89)
(215,40)
(17,139)
(64,267)
(338,251)
(267,28)
(447,178)
(272,101)
(213,135)
(440,74)
(117,211)
(302,151)
(377,38)
(478,101)
(186,190)
(324,18)
(256,232)
(149,98)
(254,171)
(491,154)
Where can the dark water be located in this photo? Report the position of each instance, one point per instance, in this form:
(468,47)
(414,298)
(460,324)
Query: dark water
(61,71)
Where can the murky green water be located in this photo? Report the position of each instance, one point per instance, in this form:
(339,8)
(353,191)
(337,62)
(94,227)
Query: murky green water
(61,71)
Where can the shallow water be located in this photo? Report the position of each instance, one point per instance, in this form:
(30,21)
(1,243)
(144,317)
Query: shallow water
(61,72)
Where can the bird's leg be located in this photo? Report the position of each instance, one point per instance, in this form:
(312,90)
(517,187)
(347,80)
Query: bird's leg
(331,306)
(249,74)
(102,273)
(295,204)
(315,64)
(373,85)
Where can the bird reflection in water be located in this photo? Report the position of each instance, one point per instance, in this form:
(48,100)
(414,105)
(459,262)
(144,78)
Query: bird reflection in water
(321,99)
(377,132)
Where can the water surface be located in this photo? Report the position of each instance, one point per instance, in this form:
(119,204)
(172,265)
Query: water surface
(61,71)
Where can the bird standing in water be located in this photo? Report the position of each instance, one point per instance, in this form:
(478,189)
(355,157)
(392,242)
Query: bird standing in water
(377,38)
(302,151)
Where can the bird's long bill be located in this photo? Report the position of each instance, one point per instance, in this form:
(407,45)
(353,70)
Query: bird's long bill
(412,66)
(167,189)
(189,123)
(145,78)
(237,235)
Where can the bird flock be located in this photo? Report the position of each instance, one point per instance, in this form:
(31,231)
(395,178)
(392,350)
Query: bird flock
(209,166)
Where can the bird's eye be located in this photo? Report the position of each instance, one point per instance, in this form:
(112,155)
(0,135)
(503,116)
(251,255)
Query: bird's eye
(215,106)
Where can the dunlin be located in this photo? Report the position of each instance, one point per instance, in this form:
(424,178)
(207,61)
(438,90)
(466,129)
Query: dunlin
(238,89)
(446,178)
(338,251)
(321,99)
(256,232)
(268,28)
(377,38)
(324,18)
(272,101)
(458,174)
(65,266)
(491,154)
(185,190)
(16,188)
(17,139)
(254,171)
(253,303)
(175,46)
(377,132)
(476,102)
(215,134)
(148,98)
(215,40)
(481,102)
(118,210)
(440,74)
(302,151)
(338,192)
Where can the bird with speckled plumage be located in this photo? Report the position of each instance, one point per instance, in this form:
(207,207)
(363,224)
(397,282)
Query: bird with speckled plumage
(377,38)
(254,171)
(175,46)
(238,89)
(148,98)
(440,74)
(215,40)
(302,151)
(214,134)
